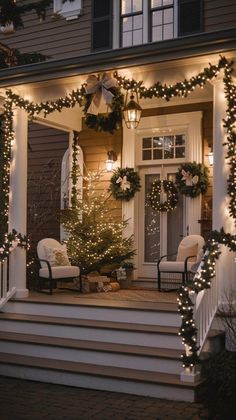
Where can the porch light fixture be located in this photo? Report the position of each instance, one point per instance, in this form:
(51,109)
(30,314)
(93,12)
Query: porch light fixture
(132,112)
(210,157)
(111,159)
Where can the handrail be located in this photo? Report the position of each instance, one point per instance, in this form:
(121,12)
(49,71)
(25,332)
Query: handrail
(7,290)
(206,306)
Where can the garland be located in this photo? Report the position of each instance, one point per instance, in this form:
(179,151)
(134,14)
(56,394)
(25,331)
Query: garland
(154,197)
(12,12)
(11,240)
(125,182)
(192,179)
(110,122)
(201,281)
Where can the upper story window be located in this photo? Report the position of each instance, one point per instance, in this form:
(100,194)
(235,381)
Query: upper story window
(190,14)
(131,22)
(101,24)
(162,19)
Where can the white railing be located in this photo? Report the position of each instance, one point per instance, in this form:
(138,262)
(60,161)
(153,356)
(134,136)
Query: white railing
(7,290)
(207,303)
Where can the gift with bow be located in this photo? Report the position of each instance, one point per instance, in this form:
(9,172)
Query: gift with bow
(124,183)
(189,179)
(102,96)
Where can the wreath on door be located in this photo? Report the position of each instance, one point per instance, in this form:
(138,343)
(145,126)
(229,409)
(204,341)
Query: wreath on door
(125,182)
(192,179)
(159,187)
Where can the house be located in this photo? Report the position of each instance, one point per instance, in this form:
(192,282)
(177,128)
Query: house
(186,105)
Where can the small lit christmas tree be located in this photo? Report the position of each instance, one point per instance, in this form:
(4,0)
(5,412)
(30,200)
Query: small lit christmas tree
(95,237)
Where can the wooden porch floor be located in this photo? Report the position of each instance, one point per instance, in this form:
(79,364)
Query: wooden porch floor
(126,298)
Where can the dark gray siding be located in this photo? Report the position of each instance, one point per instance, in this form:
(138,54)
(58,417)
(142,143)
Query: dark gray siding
(55,38)
(219,15)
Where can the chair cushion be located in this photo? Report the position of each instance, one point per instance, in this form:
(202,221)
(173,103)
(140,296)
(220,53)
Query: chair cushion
(174,266)
(57,256)
(60,272)
(185,251)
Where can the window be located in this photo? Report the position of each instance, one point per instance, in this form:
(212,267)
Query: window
(162,20)
(163,147)
(131,22)
(101,25)
(190,16)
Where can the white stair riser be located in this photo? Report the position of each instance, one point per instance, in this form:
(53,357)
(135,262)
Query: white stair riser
(101,314)
(102,383)
(96,334)
(94,357)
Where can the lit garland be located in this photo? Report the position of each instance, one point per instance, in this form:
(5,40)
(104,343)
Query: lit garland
(180,89)
(192,179)
(11,240)
(154,197)
(202,280)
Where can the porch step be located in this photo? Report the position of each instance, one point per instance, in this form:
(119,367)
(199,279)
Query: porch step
(87,329)
(156,384)
(112,354)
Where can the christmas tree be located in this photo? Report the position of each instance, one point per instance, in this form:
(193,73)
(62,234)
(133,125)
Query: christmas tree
(95,237)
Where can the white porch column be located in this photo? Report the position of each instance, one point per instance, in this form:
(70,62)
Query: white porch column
(221,217)
(18,199)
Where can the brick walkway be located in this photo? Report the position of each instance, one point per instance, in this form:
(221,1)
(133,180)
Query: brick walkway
(23,400)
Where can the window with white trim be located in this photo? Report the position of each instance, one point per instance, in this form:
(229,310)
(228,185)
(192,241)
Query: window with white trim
(131,22)
(162,20)
(163,147)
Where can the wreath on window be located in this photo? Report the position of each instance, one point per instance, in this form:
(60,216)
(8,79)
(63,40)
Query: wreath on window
(125,182)
(100,90)
(158,188)
(192,179)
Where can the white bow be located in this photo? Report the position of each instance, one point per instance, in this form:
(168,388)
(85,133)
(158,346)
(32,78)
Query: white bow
(124,184)
(101,93)
(189,179)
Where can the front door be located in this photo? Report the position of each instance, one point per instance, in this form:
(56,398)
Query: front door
(159,233)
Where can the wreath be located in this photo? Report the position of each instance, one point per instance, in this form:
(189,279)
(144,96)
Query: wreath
(105,88)
(125,182)
(154,197)
(192,179)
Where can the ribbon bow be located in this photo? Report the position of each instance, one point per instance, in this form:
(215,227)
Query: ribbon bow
(124,184)
(101,93)
(189,179)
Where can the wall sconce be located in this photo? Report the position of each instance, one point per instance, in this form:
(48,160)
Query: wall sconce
(132,112)
(111,159)
(210,157)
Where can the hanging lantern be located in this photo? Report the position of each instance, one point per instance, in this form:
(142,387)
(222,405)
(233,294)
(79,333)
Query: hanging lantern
(132,112)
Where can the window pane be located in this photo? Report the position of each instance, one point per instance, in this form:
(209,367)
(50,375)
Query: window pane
(147,154)
(137,6)
(126,7)
(180,152)
(127,39)
(138,22)
(168,16)
(147,143)
(138,37)
(167,2)
(157,18)
(156,3)
(179,140)
(157,141)
(157,33)
(127,24)
(169,154)
(157,154)
(101,8)
(168,31)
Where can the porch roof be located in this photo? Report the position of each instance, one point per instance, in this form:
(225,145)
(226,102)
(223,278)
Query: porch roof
(181,48)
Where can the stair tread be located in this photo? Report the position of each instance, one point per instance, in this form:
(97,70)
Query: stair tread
(97,370)
(87,323)
(91,345)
